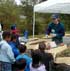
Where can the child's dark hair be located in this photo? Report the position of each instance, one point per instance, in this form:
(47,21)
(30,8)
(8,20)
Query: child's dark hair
(36,58)
(22,48)
(20,64)
(42,46)
(6,34)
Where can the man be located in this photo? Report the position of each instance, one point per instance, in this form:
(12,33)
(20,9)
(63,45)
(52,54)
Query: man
(6,54)
(56,29)
(25,36)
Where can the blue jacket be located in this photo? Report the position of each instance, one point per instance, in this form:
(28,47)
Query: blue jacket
(28,60)
(56,29)
(14,48)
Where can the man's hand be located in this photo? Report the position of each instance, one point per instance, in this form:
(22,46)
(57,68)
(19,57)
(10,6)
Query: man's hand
(53,35)
(46,36)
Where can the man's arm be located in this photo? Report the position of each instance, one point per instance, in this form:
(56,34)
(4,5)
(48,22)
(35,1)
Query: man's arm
(48,30)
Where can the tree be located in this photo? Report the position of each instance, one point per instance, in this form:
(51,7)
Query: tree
(27,10)
(9,12)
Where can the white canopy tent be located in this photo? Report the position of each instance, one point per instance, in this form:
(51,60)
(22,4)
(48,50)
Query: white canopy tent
(51,6)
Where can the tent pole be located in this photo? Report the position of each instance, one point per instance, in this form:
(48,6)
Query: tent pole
(33,23)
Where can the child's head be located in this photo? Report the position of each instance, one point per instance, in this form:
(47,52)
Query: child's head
(36,57)
(22,48)
(42,46)
(20,64)
(6,35)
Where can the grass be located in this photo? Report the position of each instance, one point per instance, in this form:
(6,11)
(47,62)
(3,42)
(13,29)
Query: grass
(67,32)
(65,53)
(43,35)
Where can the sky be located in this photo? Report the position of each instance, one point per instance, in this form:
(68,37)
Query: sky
(18,1)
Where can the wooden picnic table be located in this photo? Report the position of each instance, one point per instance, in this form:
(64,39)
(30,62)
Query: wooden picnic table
(67,35)
(56,50)
(53,51)
(65,60)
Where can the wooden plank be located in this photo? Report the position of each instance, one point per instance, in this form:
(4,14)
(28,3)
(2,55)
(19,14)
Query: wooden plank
(32,39)
(67,34)
(37,41)
(65,60)
(57,50)
(34,47)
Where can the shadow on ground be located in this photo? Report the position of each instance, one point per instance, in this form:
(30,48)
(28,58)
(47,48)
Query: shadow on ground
(61,67)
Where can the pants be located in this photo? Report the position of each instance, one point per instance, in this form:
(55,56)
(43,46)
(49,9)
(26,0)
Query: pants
(4,66)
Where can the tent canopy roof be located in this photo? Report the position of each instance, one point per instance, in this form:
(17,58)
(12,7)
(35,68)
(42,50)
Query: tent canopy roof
(53,6)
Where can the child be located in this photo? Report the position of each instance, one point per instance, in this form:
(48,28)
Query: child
(46,57)
(14,46)
(6,54)
(22,49)
(36,64)
(20,64)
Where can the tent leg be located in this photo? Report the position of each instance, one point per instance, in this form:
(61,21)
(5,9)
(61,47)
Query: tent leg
(33,24)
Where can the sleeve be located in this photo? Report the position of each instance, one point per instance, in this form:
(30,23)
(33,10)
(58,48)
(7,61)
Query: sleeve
(10,54)
(62,31)
(16,51)
(48,30)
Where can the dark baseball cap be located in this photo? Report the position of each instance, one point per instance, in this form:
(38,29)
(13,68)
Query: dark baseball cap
(55,16)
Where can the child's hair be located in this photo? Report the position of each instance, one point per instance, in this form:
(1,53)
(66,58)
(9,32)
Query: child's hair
(36,58)
(6,34)
(20,64)
(22,48)
(42,46)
